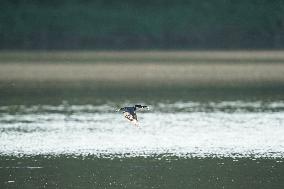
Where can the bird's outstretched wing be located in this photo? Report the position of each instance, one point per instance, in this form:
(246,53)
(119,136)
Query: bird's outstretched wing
(140,107)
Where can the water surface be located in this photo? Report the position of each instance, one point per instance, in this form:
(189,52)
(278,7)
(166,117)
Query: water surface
(229,143)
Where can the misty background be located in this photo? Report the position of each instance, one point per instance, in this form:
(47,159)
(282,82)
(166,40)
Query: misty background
(127,24)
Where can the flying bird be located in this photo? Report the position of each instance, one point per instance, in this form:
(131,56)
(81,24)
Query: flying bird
(130,113)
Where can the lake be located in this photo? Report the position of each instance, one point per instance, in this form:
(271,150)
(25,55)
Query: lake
(215,120)
(179,144)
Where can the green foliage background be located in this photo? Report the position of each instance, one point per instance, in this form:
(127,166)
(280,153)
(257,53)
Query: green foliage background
(129,24)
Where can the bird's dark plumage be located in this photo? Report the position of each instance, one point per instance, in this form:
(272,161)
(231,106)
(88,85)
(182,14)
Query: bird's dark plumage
(130,112)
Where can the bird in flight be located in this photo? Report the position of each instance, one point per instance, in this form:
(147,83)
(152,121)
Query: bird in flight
(130,113)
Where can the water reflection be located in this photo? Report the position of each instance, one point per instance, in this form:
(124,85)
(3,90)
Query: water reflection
(191,129)
(198,140)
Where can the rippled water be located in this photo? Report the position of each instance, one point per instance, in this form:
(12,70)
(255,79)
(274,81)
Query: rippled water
(187,129)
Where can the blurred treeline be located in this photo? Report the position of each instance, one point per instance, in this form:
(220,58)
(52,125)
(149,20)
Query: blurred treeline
(141,24)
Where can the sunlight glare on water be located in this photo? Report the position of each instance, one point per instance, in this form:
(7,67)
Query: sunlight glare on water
(223,129)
